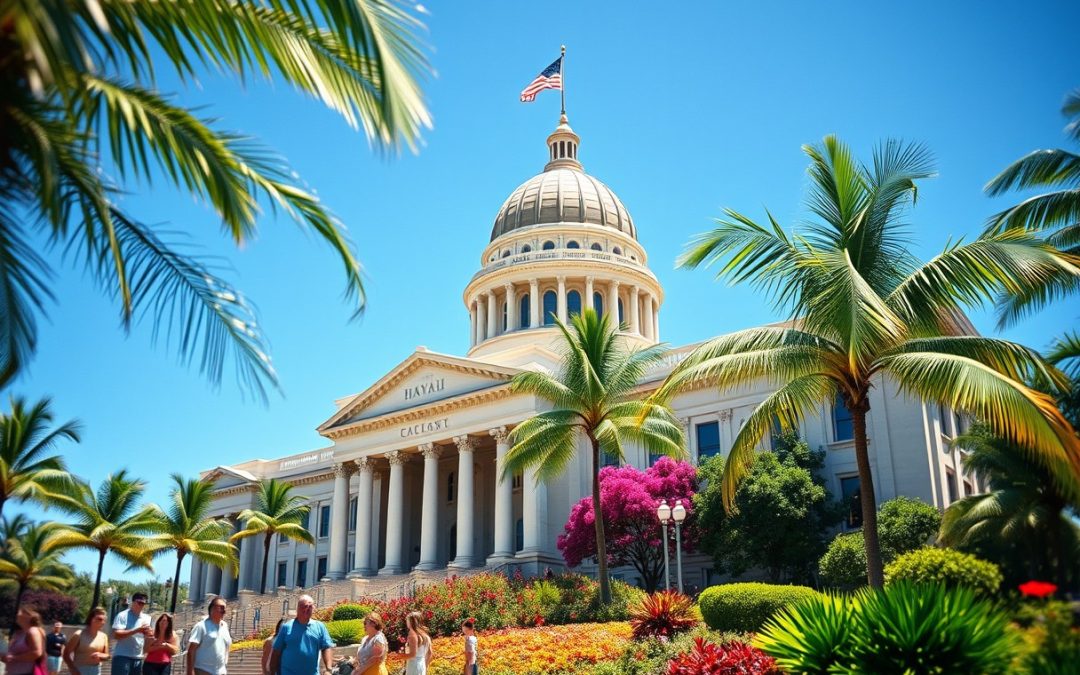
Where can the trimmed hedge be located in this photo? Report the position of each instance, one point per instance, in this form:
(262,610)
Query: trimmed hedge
(745,607)
(347,632)
(945,566)
(350,610)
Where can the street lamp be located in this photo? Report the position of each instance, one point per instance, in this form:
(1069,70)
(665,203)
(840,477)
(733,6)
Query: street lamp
(663,512)
(679,514)
(109,593)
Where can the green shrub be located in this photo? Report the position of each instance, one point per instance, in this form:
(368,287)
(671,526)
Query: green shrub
(905,524)
(844,563)
(945,566)
(746,607)
(349,610)
(348,632)
(903,628)
(1051,638)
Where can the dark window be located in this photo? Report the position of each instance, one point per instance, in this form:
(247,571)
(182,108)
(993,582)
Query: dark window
(967,488)
(550,307)
(950,478)
(306,520)
(301,573)
(526,248)
(943,419)
(524,312)
(608,460)
(519,535)
(324,520)
(653,459)
(597,247)
(353,503)
(451,546)
(573,244)
(549,245)
(621,315)
(960,423)
(320,568)
(506,253)
(617,250)
(517,481)
(573,303)
(850,497)
(282,573)
(504,317)
(598,304)
(843,429)
(352,559)
(708,439)
(451,486)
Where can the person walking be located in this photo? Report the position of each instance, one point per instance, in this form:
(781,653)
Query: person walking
(54,647)
(302,644)
(472,658)
(27,646)
(371,654)
(268,647)
(208,646)
(89,646)
(417,645)
(129,630)
(162,647)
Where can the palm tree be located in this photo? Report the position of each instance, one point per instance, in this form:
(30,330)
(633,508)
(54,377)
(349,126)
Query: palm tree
(277,511)
(1055,214)
(186,529)
(34,560)
(1026,523)
(79,75)
(865,308)
(26,470)
(110,520)
(593,400)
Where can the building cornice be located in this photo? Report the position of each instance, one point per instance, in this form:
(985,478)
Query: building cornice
(446,405)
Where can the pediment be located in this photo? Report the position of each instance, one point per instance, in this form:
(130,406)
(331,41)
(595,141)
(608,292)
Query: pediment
(420,380)
(225,477)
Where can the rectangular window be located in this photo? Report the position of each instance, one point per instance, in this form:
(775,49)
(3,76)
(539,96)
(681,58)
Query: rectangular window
(608,460)
(851,497)
(306,520)
(653,459)
(320,569)
(517,482)
(967,489)
(959,423)
(708,440)
(950,480)
(301,573)
(324,520)
(352,560)
(843,428)
(943,419)
(353,503)
(282,573)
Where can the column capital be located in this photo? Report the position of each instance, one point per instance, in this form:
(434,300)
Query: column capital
(499,434)
(491,294)
(614,283)
(464,443)
(635,290)
(561,278)
(590,279)
(343,469)
(509,286)
(725,415)
(397,458)
(365,464)
(430,451)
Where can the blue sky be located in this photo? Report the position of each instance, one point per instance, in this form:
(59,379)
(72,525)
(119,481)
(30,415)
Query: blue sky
(681,111)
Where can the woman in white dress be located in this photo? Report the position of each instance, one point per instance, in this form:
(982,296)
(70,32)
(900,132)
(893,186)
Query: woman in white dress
(417,646)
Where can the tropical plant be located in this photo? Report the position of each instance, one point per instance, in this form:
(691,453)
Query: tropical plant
(78,84)
(946,567)
(662,614)
(862,307)
(593,399)
(187,529)
(733,658)
(1024,522)
(809,636)
(111,520)
(277,511)
(35,560)
(27,471)
(745,607)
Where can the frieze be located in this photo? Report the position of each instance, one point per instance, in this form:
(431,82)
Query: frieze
(430,426)
(484,396)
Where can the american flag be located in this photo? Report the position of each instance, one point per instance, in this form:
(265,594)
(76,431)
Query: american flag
(549,78)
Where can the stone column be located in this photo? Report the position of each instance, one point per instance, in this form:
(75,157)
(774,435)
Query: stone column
(465,498)
(365,518)
(339,523)
(534,304)
(586,302)
(228,579)
(504,498)
(395,510)
(492,315)
(533,511)
(635,318)
(472,324)
(647,318)
(656,321)
(561,305)
(481,318)
(429,528)
(195,589)
(511,309)
(613,302)
(213,581)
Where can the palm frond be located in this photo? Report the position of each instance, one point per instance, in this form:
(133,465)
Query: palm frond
(1040,168)
(1041,212)
(1065,353)
(1071,109)
(546,442)
(23,294)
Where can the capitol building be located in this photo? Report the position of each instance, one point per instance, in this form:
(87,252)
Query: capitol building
(408,482)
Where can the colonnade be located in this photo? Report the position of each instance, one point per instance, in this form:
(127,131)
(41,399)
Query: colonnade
(208,580)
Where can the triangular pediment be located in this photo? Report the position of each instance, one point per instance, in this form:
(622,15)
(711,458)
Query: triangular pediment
(224,477)
(420,380)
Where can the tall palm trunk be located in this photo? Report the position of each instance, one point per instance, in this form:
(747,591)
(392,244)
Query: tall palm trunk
(598,516)
(266,559)
(97,584)
(18,601)
(874,569)
(176,582)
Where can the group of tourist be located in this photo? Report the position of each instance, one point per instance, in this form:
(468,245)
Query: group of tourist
(301,646)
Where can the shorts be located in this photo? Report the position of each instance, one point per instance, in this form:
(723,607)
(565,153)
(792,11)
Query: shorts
(90,670)
(54,664)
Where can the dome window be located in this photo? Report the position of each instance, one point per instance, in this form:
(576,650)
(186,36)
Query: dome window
(525,311)
(573,303)
(597,247)
(491,259)
(617,250)
(598,304)
(633,258)
(550,307)
(526,248)
(506,253)
(549,245)
(572,244)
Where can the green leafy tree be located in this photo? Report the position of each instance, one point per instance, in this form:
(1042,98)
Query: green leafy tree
(110,520)
(27,470)
(863,306)
(1025,523)
(35,560)
(186,528)
(592,399)
(906,524)
(844,564)
(781,516)
(277,511)
(77,86)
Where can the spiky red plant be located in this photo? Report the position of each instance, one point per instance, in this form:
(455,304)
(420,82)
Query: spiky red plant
(733,658)
(662,614)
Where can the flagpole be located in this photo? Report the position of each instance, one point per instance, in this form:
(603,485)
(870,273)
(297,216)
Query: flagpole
(562,88)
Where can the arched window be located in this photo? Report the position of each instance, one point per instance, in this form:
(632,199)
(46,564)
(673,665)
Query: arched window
(526,248)
(525,318)
(573,303)
(549,245)
(617,250)
(597,247)
(451,486)
(572,244)
(519,535)
(598,304)
(621,319)
(550,307)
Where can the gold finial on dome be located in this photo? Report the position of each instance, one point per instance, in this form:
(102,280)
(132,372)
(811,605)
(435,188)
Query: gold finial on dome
(563,147)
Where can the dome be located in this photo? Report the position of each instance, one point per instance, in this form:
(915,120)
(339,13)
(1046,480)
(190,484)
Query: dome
(563,193)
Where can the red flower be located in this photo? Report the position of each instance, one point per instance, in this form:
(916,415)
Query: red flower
(1037,589)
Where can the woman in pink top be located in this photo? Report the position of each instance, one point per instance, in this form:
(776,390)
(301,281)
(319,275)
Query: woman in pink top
(27,645)
(161,648)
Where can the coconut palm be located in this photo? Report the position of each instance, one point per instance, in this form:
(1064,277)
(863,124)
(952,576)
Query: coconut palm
(78,94)
(12,528)
(277,511)
(110,520)
(27,471)
(34,559)
(864,308)
(592,396)
(186,528)
(1025,523)
(1055,215)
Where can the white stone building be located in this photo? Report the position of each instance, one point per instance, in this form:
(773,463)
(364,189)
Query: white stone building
(408,480)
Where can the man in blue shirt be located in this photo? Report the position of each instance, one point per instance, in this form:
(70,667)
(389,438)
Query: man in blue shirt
(301,644)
